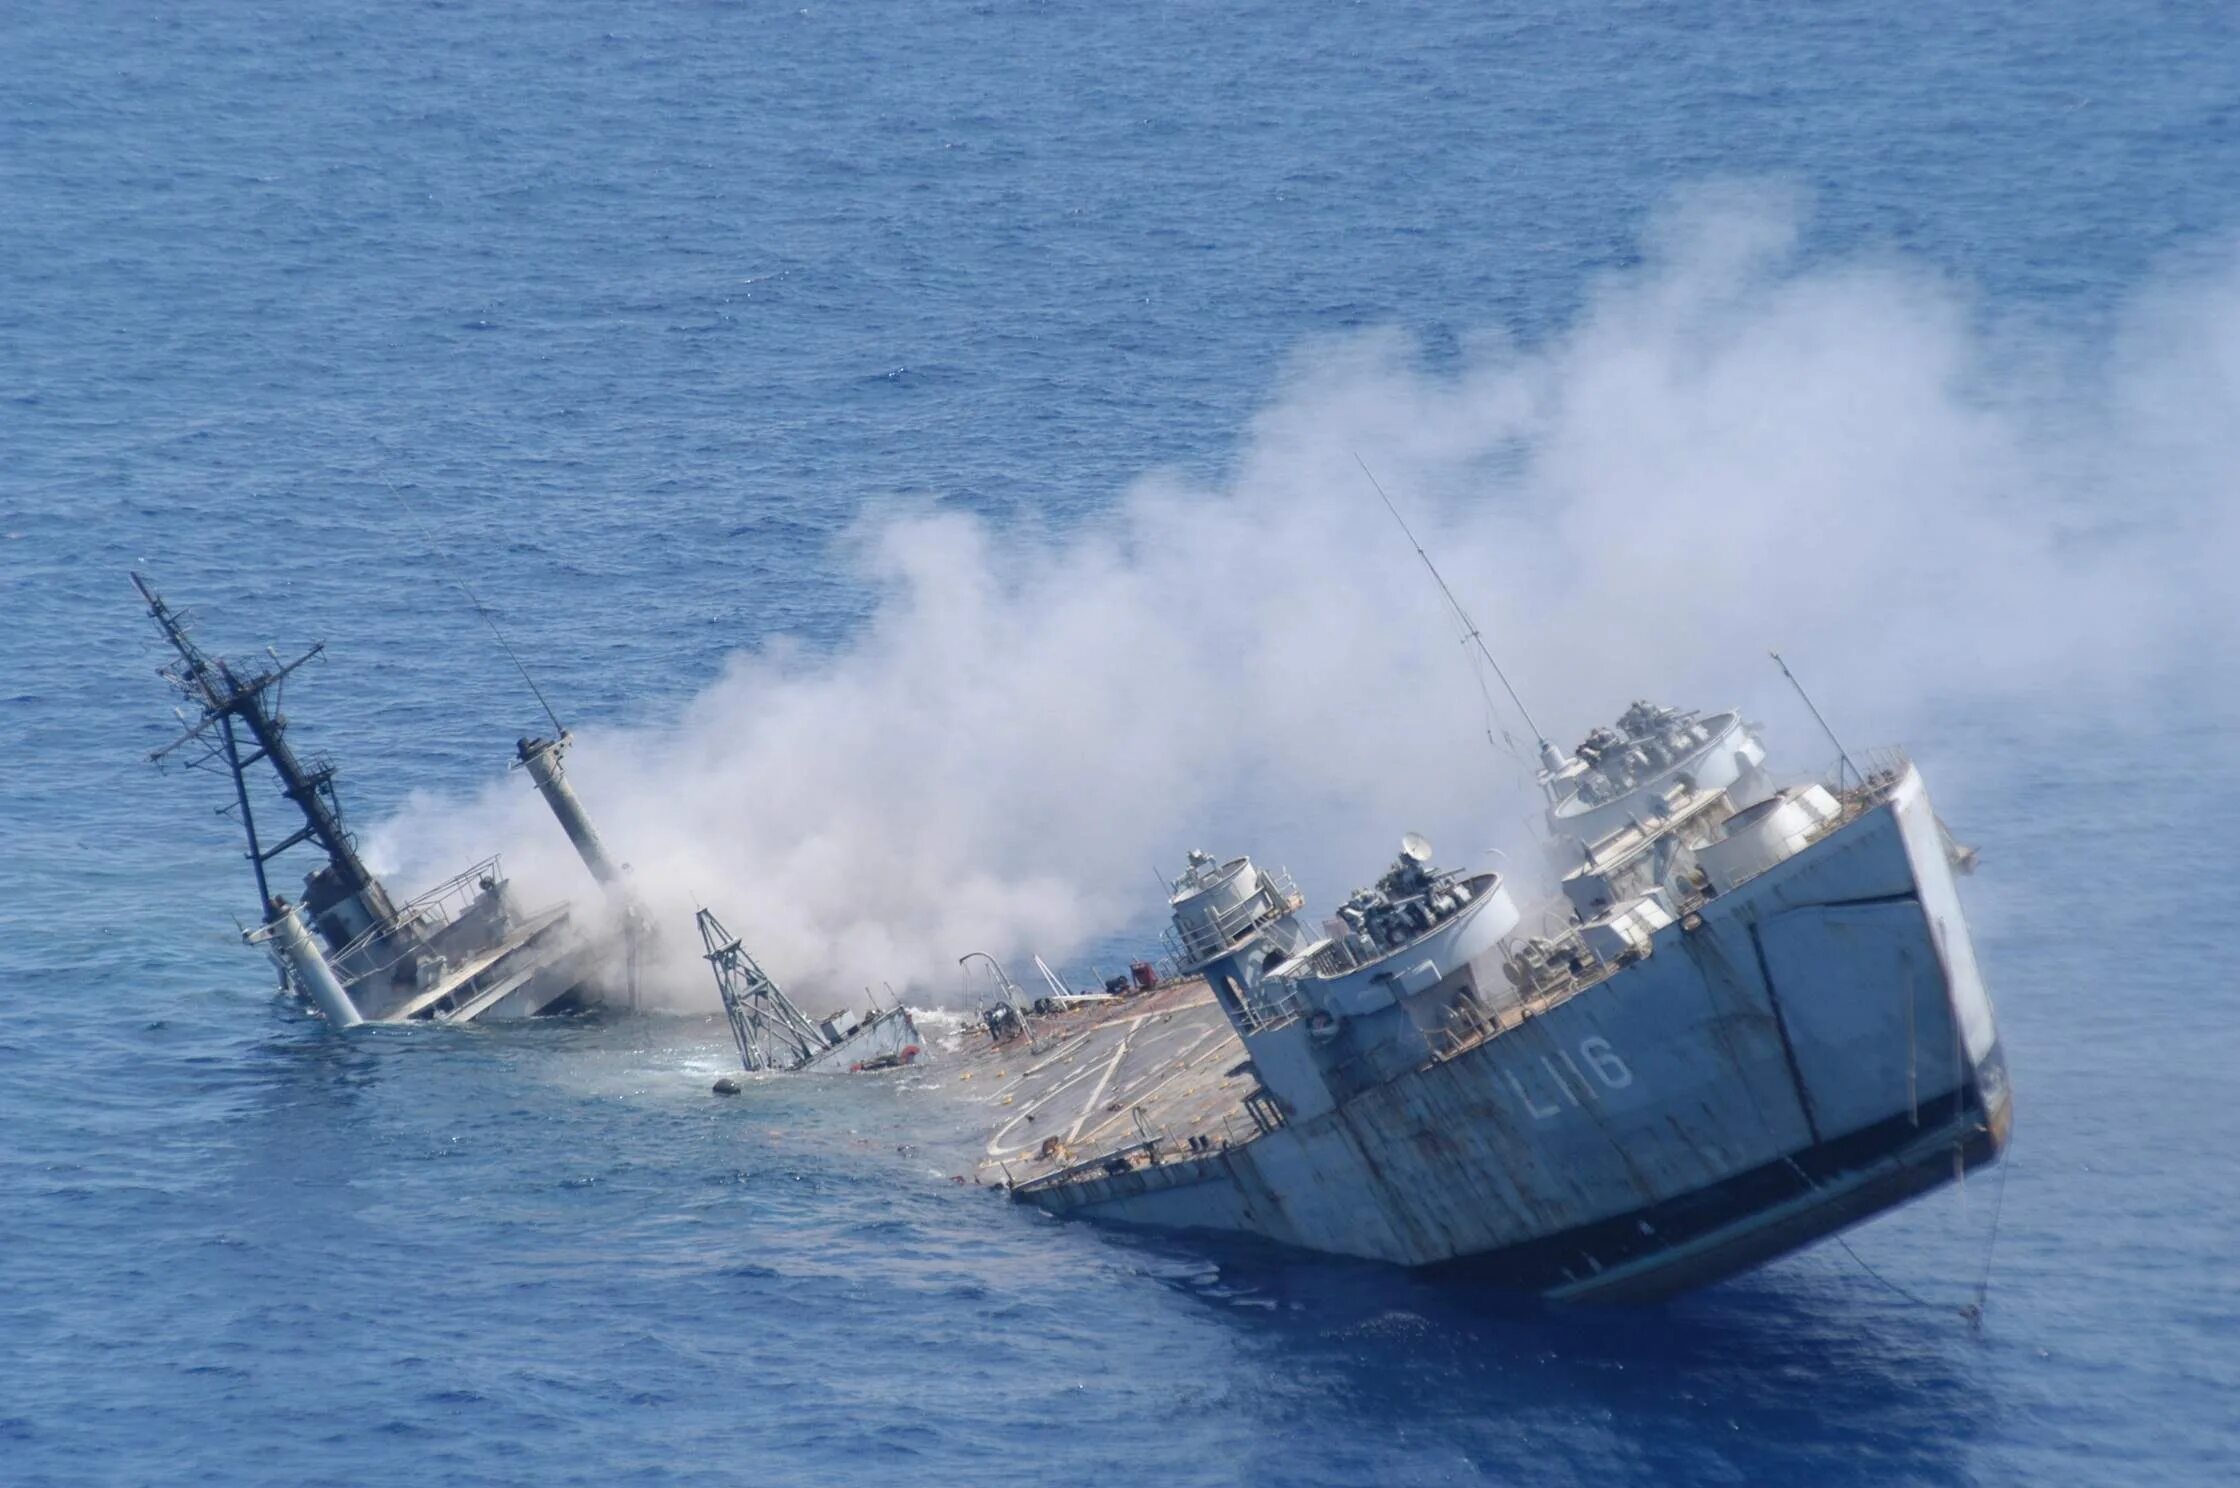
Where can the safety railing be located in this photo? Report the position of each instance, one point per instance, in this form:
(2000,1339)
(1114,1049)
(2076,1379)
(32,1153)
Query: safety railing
(1203,940)
(1273,1004)
(437,908)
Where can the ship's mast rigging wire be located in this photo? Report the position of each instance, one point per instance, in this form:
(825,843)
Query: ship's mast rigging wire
(435,549)
(1469,626)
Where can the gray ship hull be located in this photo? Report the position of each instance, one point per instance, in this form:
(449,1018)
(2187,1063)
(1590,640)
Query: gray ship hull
(887,1040)
(1811,1049)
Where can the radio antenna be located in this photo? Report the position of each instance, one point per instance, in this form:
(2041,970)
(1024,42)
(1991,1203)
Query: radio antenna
(1548,754)
(1811,707)
(559,729)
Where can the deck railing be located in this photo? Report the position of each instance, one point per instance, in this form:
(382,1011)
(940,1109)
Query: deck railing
(439,906)
(1276,895)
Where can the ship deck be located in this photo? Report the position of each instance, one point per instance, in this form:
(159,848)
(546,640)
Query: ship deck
(1160,1064)
(521,946)
(1159,1075)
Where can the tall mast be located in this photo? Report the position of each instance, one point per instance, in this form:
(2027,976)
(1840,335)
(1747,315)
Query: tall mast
(233,703)
(1551,758)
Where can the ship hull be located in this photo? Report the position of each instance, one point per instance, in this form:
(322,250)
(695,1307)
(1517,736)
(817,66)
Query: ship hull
(1813,1049)
(1744,1221)
(890,1038)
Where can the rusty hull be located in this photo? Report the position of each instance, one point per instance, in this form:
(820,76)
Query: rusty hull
(1809,1051)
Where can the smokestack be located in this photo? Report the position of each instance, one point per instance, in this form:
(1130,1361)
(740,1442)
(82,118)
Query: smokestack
(542,756)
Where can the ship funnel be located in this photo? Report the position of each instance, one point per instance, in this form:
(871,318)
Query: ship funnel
(542,756)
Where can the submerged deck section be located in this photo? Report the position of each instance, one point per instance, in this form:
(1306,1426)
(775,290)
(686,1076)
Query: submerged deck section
(462,952)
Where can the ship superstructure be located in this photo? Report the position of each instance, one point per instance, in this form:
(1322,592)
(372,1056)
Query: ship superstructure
(464,951)
(1624,776)
(1752,1018)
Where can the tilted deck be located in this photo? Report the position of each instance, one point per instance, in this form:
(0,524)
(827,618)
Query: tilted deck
(1079,1085)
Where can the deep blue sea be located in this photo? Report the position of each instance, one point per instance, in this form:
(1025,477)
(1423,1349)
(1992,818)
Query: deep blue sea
(657,309)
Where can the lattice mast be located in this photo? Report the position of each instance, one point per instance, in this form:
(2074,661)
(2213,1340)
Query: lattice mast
(770,1031)
(239,722)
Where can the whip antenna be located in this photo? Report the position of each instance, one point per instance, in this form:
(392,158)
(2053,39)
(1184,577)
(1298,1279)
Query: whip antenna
(559,729)
(1469,626)
(1841,753)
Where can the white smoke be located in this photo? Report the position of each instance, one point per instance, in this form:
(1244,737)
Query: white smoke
(1727,451)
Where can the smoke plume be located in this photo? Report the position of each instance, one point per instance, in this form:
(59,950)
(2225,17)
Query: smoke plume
(1728,449)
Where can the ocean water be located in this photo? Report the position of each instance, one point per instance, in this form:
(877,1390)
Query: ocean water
(649,306)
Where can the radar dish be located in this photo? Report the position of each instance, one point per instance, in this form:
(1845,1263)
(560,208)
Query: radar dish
(1416,848)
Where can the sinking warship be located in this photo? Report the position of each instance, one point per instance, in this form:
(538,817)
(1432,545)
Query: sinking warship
(1751,1018)
(464,951)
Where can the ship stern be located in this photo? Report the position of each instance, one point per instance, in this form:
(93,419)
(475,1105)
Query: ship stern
(1887,1030)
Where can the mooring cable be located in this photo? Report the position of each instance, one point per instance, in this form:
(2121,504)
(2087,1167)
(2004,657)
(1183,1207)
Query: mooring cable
(1974,1311)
